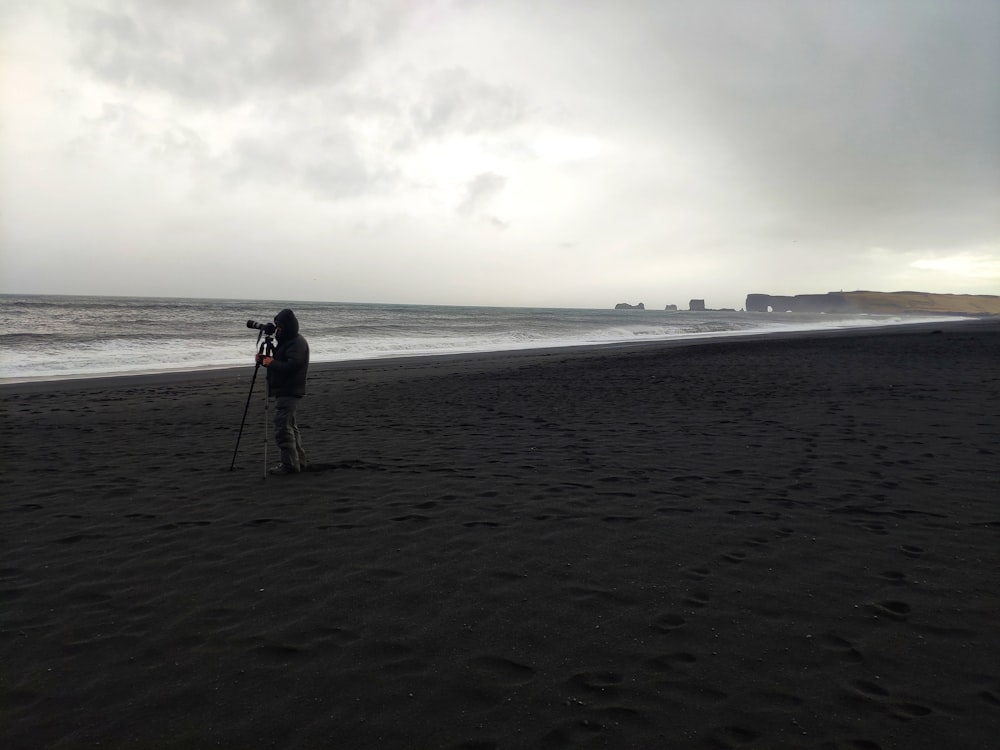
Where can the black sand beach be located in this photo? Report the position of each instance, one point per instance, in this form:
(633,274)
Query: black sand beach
(773,543)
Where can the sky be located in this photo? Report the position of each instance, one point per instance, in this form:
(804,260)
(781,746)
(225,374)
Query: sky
(540,153)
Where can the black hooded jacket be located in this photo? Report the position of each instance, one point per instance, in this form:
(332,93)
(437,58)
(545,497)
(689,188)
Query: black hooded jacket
(286,376)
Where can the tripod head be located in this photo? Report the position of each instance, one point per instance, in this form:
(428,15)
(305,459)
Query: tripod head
(265,331)
(265,347)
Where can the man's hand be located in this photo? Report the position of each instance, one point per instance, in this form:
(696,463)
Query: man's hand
(262,360)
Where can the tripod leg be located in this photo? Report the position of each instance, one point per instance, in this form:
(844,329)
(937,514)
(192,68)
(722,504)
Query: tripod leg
(266,401)
(244,420)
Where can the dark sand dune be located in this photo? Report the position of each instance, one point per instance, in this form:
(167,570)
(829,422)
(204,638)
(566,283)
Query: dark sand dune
(763,543)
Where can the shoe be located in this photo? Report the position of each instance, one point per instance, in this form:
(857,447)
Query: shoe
(282,469)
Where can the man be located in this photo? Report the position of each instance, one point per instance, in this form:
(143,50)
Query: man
(286,382)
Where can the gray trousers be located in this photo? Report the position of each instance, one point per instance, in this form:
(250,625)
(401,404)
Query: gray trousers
(286,432)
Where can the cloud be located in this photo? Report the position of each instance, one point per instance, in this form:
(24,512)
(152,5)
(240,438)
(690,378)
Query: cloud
(121,124)
(454,101)
(325,164)
(479,192)
(716,144)
(259,94)
(851,113)
(212,54)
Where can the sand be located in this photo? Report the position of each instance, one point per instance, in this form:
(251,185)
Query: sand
(778,543)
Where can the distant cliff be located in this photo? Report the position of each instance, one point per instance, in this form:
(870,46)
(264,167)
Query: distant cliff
(627,306)
(877,302)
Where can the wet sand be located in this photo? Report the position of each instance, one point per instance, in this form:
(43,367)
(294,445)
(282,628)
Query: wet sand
(772,543)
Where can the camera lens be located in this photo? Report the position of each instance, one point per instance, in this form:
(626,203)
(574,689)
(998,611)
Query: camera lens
(267,328)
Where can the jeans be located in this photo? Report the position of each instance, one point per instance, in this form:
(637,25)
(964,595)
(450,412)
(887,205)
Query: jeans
(286,432)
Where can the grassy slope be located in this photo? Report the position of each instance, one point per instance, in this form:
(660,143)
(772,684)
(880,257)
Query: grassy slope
(919,302)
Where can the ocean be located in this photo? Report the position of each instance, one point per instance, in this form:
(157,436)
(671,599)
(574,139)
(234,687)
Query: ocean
(59,337)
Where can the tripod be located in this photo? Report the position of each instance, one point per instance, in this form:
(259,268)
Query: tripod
(265,349)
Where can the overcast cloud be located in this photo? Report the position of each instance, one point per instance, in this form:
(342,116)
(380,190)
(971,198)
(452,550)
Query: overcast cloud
(526,152)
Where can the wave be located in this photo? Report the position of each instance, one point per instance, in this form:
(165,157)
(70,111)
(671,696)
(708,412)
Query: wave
(77,336)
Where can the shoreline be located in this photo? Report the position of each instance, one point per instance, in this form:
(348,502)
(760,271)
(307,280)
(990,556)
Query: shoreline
(46,383)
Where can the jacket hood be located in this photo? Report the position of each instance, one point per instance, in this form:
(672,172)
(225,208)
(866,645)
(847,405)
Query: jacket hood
(288,322)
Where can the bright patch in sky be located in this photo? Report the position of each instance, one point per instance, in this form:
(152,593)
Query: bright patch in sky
(457,158)
(974,266)
(561,147)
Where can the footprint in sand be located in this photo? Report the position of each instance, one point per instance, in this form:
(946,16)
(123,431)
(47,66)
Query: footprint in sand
(733,735)
(597,681)
(78,538)
(590,596)
(571,734)
(691,692)
(502,670)
(778,700)
(275,652)
(330,638)
(906,711)
(895,610)
(842,646)
(392,658)
(697,599)
(868,690)
(671,662)
(990,698)
(668,623)
(697,574)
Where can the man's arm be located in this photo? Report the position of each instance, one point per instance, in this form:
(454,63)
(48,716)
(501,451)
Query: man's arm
(295,358)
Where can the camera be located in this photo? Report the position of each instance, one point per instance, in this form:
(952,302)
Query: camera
(267,328)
